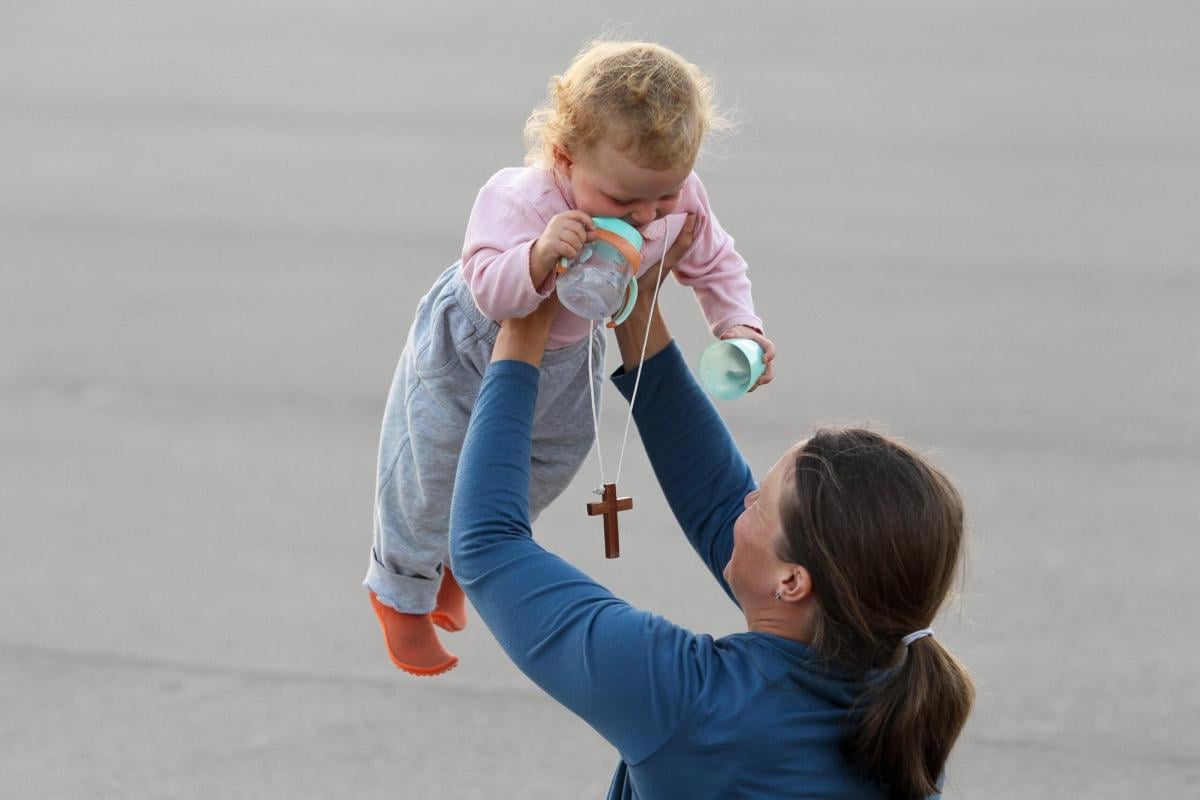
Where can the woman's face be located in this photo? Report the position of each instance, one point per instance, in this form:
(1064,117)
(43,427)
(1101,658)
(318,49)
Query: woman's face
(754,569)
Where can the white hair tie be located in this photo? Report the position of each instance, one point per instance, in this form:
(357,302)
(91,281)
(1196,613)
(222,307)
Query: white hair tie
(912,637)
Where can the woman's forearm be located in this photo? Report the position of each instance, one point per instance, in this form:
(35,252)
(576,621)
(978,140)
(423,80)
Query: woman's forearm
(702,474)
(632,332)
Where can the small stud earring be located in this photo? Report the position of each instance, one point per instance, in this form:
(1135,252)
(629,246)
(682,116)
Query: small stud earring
(777,597)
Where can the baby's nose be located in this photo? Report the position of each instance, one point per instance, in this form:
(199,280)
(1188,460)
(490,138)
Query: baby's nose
(642,216)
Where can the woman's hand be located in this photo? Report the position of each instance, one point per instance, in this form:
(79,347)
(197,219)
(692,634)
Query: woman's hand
(746,332)
(681,245)
(524,338)
(645,313)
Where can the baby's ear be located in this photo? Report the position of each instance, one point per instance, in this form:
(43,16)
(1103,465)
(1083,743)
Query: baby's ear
(562,159)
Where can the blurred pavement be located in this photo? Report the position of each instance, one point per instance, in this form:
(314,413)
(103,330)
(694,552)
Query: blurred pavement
(974,224)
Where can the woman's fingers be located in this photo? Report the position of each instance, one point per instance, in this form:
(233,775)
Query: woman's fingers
(680,246)
(682,242)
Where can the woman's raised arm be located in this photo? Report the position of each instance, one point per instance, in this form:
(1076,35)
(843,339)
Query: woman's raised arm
(701,471)
(631,674)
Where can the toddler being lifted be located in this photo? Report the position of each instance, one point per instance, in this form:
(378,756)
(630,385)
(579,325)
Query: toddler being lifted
(618,137)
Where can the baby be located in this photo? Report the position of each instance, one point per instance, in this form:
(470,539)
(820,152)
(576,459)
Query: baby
(617,137)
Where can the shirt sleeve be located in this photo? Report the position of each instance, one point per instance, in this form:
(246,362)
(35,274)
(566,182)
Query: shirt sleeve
(702,473)
(495,262)
(713,268)
(632,675)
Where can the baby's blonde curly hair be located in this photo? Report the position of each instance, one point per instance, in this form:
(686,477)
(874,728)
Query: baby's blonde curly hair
(642,98)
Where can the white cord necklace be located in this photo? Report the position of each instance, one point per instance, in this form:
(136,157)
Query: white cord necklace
(611,504)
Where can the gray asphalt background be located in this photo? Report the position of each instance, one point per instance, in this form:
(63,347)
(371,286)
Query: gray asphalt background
(974,224)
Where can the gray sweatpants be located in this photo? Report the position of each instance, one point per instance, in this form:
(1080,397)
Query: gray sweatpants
(428,408)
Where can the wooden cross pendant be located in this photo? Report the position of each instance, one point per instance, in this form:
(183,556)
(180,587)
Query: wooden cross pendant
(609,507)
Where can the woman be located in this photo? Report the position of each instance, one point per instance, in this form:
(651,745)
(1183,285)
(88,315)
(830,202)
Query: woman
(839,560)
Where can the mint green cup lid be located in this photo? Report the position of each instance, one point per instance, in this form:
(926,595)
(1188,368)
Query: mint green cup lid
(621,228)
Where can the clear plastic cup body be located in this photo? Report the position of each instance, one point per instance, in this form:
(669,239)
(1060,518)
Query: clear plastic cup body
(595,282)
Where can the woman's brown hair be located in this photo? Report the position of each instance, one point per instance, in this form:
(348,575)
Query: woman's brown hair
(880,530)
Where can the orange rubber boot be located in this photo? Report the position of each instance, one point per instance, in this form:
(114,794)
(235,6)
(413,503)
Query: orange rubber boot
(412,643)
(451,611)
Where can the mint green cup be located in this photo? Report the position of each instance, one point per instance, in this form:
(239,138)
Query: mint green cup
(729,368)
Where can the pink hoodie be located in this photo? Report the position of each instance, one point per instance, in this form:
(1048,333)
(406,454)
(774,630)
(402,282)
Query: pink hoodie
(512,211)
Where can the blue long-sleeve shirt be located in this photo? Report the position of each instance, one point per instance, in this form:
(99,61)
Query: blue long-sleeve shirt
(750,715)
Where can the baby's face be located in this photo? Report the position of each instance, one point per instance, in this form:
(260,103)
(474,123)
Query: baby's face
(606,183)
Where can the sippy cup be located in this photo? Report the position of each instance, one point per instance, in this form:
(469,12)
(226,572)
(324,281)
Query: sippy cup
(599,282)
(729,368)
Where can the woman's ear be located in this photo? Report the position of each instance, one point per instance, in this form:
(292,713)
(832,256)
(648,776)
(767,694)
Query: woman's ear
(796,584)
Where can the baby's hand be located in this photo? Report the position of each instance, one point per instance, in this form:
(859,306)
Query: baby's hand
(746,332)
(564,237)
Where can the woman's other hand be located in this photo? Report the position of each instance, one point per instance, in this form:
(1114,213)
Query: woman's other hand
(679,247)
(524,338)
(645,328)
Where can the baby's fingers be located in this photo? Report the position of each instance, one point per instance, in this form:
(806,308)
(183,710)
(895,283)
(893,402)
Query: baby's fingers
(580,217)
(766,344)
(565,248)
(767,376)
(581,223)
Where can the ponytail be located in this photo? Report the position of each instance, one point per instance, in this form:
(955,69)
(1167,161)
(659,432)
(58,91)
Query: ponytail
(911,721)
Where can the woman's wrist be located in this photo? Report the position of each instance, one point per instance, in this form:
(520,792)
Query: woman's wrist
(518,345)
(632,334)
(524,339)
